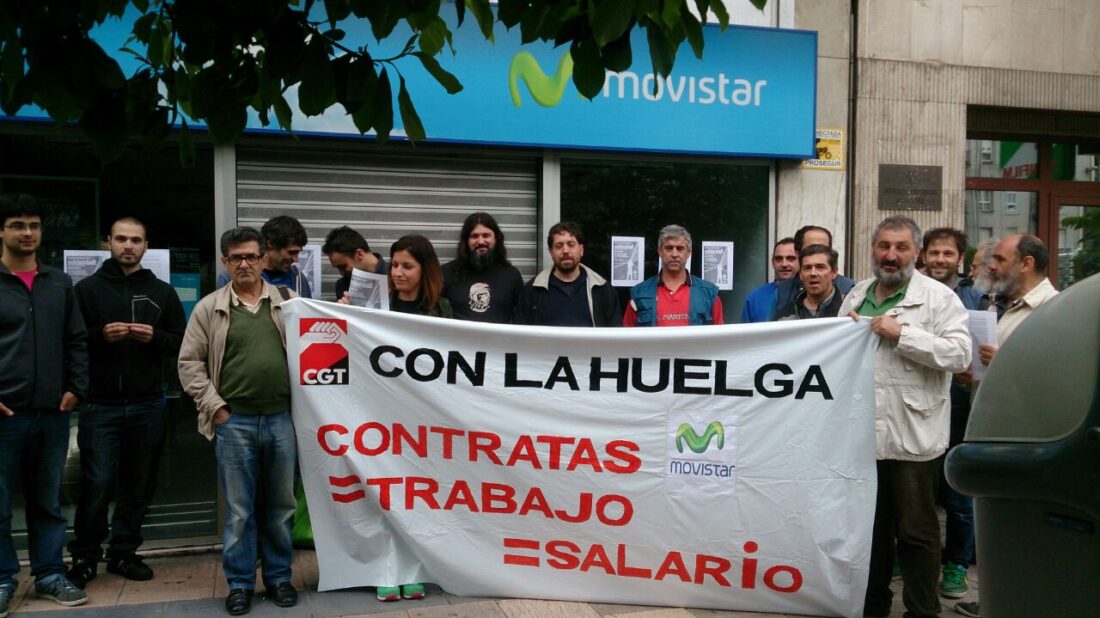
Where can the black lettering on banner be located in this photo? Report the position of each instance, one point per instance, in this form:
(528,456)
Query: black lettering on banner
(595,374)
(376,355)
(475,374)
(636,376)
(511,380)
(562,372)
(414,372)
(682,375)
(818,386)
(720,387)
(786,387)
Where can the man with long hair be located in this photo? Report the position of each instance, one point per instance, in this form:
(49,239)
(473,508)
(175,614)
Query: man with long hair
(480,283)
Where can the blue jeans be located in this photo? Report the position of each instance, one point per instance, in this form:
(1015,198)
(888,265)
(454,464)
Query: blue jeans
(256,462)
(118,443)
(33,445)
(958,508)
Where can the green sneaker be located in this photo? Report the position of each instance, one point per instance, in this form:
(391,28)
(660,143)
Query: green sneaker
(953,585)
(412,591)
(388,593)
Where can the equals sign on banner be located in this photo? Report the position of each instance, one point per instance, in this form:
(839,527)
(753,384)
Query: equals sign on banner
(518,559)
(343,482)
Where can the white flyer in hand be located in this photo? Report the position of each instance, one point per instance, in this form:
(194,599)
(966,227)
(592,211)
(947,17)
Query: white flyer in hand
(369,290)
(983,329)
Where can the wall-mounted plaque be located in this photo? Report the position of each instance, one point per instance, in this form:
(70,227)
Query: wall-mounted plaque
(910,187)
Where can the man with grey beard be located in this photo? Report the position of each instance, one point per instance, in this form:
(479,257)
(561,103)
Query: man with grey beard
(924,339)
(1018,272)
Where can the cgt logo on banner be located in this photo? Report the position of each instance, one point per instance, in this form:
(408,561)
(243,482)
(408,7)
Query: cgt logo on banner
(323,360)
(725,467)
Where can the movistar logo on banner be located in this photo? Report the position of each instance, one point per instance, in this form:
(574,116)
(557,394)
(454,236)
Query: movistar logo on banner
(699,443)
(545,90)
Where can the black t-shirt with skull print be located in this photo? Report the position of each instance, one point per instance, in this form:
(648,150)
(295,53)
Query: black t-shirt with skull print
(488,295)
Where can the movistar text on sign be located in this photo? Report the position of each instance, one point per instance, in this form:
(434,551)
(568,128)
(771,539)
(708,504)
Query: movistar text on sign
(686,88)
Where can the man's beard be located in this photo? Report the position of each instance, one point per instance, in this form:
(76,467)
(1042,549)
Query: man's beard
(481,261)
(894,279)
(1006,285)
(983,282)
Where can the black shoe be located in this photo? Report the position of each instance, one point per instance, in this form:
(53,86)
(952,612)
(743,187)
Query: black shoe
(130,566)
(238,602)
(82,572)
(283,595)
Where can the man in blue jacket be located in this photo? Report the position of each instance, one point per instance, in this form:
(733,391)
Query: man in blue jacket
(760,303)
(673,297)
(134,321)
(43,374)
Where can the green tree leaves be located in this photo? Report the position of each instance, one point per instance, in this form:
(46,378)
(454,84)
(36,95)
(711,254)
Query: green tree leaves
(215,60)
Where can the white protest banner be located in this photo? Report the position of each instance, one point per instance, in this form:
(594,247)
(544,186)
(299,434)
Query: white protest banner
(727,467)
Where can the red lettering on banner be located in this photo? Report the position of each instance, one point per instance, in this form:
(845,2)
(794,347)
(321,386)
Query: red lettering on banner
(401,436)
(796,578)
(484,442)
(714,566)
(461,494)
(536,501)
(748,569)
(525,451)
(584,455)
(383,485)
(492,493)
(628,571)
(373,438)
(601,510)
(344,482)
(517,559)
(623,451)
(597,557)
(337,429)
(673,565)
(584,510)
(425,493)
(555,443)
(448,434)
(561,559)
(383,438)
(566,556)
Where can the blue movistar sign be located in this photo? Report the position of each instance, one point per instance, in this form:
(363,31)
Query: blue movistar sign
(751,95)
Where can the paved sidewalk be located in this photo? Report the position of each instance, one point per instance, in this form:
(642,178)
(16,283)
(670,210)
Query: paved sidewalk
(194,585)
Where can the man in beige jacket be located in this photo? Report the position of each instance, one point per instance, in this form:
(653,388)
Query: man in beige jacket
(923,339)
(233,364)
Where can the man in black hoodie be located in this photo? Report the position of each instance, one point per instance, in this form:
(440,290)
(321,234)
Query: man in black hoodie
(133,320)
(43,374)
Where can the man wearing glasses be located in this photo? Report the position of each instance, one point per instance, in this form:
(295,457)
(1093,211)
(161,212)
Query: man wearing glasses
(233,364)
(43,373)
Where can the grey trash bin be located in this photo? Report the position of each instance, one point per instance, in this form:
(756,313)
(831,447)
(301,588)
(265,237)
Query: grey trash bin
(1031,460)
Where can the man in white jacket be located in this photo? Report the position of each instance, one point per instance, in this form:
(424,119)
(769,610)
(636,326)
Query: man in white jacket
(924,339)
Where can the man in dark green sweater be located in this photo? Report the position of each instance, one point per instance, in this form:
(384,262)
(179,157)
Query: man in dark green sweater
(233,363)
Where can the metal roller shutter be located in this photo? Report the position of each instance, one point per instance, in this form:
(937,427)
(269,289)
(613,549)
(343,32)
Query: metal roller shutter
(386,196)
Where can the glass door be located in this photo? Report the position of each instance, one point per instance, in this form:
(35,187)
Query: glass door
(1078,251)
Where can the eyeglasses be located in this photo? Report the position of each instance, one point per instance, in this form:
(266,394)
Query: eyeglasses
(19,226)
(236,260)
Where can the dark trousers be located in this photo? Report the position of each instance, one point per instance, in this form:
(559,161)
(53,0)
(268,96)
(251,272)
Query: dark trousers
(120,445)
(959,508)
(33,446)
(905,510)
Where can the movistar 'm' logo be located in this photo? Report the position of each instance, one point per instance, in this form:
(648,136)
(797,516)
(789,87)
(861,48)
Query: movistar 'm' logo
(546,91)
(695,442)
